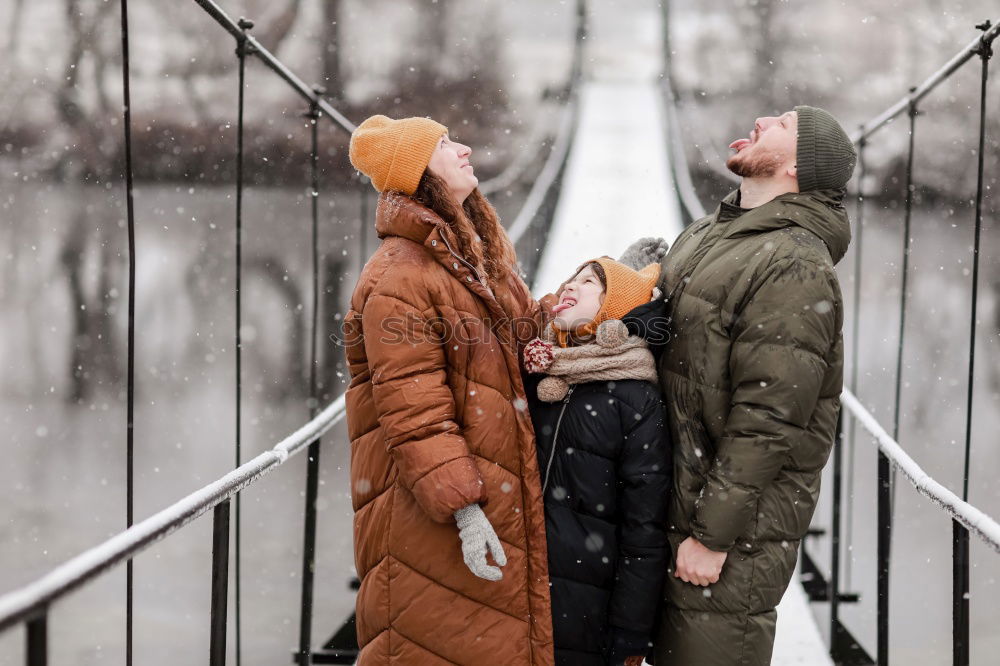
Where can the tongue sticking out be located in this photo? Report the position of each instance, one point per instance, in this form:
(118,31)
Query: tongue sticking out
(739,144)
(556,309)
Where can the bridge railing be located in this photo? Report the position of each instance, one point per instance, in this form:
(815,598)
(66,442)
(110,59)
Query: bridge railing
(891,456)
(30,605)
(966,518)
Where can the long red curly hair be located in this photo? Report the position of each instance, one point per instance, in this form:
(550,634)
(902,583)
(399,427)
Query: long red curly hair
(482,239)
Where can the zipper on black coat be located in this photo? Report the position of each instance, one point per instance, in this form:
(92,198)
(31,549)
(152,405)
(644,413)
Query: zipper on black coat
(555,438)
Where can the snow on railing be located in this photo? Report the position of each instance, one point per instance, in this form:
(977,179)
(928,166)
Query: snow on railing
(974,520)
(22,604)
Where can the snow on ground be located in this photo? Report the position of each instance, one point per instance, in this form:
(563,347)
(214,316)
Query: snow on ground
(616,187)
(798,640)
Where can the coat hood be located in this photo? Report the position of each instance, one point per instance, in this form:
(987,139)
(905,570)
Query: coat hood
(399,215)
(820,211)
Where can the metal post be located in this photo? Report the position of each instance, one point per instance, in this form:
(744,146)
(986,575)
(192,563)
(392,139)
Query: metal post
(37,641)
(130,379)
(884,537)
(960,535)
(242,49)
(220,583)
(581,37)
(959,594)
(665,37)
(834,584)
(312,466)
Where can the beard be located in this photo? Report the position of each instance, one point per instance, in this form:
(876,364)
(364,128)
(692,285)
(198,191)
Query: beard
(747,164)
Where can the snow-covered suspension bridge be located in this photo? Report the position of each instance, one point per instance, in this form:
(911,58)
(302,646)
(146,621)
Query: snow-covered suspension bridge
(615,171)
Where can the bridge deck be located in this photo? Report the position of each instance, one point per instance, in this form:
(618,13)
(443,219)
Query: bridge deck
(617,188)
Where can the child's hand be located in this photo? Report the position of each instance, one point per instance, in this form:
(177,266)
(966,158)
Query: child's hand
(644,252)
(538,356)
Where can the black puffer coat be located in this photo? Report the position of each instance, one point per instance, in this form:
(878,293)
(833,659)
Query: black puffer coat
(606,502)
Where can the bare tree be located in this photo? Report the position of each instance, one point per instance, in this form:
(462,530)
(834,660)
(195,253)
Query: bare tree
(93,355)
(209,57)
(329,42)
(14,28)
(84,24)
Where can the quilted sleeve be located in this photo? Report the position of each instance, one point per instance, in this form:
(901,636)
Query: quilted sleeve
(781,339)
(415,407)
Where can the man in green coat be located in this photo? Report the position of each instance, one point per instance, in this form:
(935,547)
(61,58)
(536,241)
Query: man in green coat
(752,375)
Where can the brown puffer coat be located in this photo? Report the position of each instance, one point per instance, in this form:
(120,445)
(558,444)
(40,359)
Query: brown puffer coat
(437,418)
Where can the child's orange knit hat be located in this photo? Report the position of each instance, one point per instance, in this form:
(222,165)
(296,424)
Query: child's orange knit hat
(395,153)
(626,289)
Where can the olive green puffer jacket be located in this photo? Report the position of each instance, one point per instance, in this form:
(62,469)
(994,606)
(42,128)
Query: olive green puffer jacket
(752,376)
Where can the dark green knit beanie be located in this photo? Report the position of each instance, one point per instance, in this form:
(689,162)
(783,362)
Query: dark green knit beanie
(825,155)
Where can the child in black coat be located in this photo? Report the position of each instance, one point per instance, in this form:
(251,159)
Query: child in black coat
(605,459)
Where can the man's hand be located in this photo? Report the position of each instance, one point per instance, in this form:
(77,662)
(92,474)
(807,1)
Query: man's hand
(697,564)
(634,661)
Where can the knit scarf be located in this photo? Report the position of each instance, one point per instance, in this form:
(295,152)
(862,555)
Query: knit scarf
(612,354)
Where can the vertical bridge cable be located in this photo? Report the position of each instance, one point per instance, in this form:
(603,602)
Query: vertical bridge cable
(960,535)
(130,381)
(855,336)
(885,475)
(312,466)
(913,113)
(242,49)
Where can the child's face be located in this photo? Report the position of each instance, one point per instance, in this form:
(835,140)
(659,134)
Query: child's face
(580,301)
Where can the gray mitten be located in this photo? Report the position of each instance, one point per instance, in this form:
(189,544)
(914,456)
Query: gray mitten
(644,252)
(477,537)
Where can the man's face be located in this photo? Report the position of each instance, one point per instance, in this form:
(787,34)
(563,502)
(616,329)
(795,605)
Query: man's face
(769,150)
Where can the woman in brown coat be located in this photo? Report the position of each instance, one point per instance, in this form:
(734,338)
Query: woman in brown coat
(443,465)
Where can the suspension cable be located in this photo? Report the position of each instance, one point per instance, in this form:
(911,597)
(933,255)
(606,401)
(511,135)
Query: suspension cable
(243,48)
(130,381)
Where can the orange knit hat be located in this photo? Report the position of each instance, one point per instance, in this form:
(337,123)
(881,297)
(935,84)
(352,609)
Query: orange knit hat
(626,289)
(395,153)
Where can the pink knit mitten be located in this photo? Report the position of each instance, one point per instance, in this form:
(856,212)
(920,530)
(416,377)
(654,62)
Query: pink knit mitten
(538,355)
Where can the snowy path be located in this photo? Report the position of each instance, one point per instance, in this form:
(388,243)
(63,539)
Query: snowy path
(617,188)
(798,641)
(617,183)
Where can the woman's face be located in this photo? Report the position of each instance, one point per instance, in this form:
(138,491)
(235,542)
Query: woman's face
(580,300)
(450,162)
